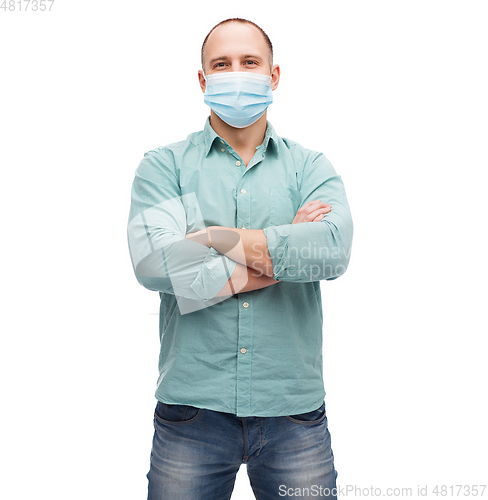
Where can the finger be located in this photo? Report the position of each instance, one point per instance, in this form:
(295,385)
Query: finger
(321,210)
(316,213)
(314,203)
(310,207)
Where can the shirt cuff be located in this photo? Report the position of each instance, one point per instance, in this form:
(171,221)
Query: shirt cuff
(278,238)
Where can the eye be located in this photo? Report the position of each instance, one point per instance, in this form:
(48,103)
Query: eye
(250,63)
(219,65)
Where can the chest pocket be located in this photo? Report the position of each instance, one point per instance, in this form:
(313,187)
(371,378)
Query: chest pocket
(283,205)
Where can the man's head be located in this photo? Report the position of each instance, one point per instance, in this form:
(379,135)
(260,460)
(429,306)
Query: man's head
(238,45)
(242,21)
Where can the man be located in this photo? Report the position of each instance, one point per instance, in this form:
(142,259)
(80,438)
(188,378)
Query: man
(235,227)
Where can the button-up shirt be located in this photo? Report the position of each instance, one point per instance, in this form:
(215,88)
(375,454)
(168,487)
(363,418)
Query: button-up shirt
(257,353)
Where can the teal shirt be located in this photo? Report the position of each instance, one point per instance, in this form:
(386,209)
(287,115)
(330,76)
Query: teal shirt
(257,353)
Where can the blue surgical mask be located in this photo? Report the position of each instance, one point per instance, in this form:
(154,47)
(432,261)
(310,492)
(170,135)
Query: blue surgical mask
(239,98)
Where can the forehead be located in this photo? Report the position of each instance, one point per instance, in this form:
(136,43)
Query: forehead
(235,39)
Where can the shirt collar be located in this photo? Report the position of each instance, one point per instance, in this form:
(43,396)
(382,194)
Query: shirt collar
(210,135)
(270,134)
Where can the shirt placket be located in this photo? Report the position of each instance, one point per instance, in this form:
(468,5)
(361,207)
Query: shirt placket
(245,315)
(244,355)
(244,326)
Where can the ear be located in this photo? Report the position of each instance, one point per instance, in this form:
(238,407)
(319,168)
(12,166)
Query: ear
(275,76)
(201,80)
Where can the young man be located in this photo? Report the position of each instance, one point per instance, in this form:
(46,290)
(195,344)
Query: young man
(235,227)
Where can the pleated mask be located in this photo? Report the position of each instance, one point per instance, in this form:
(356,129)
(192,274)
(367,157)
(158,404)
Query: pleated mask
(239,98)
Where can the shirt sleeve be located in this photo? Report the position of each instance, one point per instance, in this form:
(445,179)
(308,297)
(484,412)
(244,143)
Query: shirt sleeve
(313,251)
(162,259)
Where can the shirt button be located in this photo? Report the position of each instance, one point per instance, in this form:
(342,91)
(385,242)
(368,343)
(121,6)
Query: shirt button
(243,350)
(223,150)
(245,305)
(243,227)
(238,163)
(243,191)
(222,141)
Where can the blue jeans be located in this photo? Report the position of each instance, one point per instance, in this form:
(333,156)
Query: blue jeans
(196,454)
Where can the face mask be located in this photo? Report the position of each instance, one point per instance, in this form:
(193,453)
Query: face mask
(238,97)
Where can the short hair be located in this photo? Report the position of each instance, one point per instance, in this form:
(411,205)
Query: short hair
(240,20)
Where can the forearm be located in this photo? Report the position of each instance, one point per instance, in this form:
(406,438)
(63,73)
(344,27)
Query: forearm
(244,246)
(245,279)
(311,251)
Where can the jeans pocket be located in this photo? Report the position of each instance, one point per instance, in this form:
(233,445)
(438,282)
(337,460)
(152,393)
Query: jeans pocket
(312,417)
(175,414)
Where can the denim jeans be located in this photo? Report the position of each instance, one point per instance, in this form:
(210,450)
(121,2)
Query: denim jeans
(196,454)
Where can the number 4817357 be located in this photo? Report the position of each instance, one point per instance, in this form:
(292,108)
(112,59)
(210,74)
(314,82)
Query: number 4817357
(24,5)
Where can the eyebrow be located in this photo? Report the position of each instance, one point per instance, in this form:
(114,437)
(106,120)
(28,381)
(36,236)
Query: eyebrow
(225,58)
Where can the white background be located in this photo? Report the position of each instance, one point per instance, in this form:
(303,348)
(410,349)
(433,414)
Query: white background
(393,93)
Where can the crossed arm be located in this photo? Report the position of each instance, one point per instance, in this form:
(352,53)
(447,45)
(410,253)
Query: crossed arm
(165,260)
(248,247)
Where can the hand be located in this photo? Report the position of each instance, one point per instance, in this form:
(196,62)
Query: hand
(313,211)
